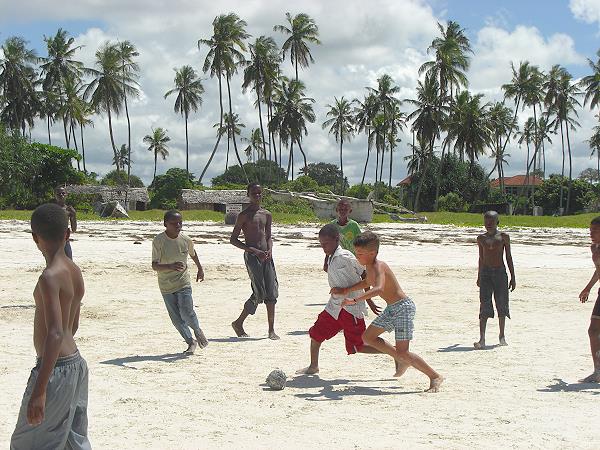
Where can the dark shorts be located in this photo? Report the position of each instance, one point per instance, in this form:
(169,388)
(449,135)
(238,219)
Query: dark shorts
(596,310)
(493,281)
(327,327)
(68,250)
(265,288)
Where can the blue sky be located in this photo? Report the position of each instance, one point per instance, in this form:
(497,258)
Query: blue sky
(361,41)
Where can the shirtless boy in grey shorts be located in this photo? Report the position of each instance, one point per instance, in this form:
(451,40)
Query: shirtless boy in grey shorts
(53,413)
(491,276)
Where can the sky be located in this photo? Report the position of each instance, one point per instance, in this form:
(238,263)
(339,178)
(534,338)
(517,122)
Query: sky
(360,42)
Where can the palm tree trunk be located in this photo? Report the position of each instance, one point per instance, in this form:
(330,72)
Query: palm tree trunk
(49,138)
(82,147)
(128,141)
(421,180)
(187,153)
(391,166)
(570,171)
(296,56)
(287,173)
(218,133)
(155,157)
(341,164)
(439,179)
(303,156)
(262,130)
(381,165)
(562,171)
(362,181)
(76,146)
(237,154)
(227,157)
(376,164)
(112,141)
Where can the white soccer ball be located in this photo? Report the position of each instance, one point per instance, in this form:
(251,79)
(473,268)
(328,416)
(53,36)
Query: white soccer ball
(276,379)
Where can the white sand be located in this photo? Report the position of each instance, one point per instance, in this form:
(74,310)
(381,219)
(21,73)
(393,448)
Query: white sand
(143,395)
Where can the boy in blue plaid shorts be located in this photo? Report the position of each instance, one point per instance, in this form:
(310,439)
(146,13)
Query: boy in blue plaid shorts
(398,314)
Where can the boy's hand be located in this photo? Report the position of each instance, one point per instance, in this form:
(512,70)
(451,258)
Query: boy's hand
(512,285)
(348,301)
(35,409)
(376,309)
(338,291)
(178,266)
(583,296)
(200,275)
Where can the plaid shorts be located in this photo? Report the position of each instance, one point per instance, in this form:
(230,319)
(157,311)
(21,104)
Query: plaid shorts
(398,317)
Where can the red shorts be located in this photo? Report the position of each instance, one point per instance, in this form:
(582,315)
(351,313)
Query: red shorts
(327,327)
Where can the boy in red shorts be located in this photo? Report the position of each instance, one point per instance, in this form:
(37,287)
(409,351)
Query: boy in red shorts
(343,270)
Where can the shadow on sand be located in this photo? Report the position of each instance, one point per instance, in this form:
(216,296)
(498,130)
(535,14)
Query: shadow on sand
(17,307)
(167,357)
(459,348)
(315,304)
(237,339)
(563,386)
(298,333)
(328,392)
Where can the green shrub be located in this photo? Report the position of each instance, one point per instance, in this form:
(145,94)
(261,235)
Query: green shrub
(81,202)
(359,190)
(452,202)
(166,188)
(114,178)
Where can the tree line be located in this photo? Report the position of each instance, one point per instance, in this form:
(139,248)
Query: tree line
(443,118)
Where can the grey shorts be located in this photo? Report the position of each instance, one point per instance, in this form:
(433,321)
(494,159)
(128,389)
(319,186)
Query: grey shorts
(398,317)
(65,417)
(265,287)
(493,281)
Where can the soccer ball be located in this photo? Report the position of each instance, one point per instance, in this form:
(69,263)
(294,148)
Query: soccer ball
(276,380)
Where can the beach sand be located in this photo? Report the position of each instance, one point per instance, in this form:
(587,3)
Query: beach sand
(144,394)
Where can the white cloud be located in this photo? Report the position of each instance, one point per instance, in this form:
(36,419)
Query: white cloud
(586,10)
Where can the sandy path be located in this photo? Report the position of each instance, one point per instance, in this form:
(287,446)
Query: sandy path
(144,395)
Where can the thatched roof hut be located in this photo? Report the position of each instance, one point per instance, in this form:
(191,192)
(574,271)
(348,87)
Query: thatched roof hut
(213,200)
(136,198)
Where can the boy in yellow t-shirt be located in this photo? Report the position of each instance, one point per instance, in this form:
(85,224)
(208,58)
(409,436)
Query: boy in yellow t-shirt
(169,258)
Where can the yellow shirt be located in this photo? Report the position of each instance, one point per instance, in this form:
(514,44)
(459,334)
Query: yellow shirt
(167,251)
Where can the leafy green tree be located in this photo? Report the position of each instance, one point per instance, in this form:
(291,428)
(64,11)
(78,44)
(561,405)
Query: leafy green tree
(20,104)
(590,175)
(326,174)
(302,30)
(157,144)
(265,172)
(341,123)
(548,194)
(226,47)
(114,178)
(189,91)
(166,188)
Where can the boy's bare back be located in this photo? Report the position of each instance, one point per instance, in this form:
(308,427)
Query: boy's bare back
(58,295)
(491,248)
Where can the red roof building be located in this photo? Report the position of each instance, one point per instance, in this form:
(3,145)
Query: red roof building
(515,184)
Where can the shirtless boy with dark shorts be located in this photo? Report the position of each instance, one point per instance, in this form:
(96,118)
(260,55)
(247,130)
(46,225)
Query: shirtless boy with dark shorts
(255,222)
(491,276)
(53,412)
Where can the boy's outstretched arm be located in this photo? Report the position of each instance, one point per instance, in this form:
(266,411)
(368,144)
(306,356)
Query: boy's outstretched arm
(49,291)
(583,296)
(509,261)
(376,289)
(200,275)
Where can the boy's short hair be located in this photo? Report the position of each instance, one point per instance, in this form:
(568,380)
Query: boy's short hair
(251,185)
(49,221)
(595,221)
(368,240)
(171,214)
(492,214)
(330,230)
(343,201)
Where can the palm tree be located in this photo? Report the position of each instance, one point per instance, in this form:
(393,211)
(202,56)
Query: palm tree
(225,54)
(396,122)
(377,137)
(591,83)
(157,143)
(49,107)
(341,123)
(105,91)
(502,124)
(302,30)
(129,74)
(232,127)
(189,91)
(17,84)
(364,113)
(594,143)
(60,65)
(72,107)
(122,157)
(256,146)
(260,71)
(292,111)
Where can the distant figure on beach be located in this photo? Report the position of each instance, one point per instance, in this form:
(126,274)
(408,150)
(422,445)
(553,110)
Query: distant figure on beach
(594,329)
(170,250)
(398,315)
(53,413)
(255,222)
(60,195)
(491,276)
(343,271)
(348,228)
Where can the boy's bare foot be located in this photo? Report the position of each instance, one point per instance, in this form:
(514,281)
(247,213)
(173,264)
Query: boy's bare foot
(434,384)
(310,370)
(191,348)
(202,341)
(502,341)
(480,345)
(593,378)
(400,369)
(239,330)
(273,336)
